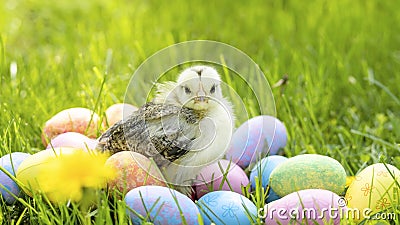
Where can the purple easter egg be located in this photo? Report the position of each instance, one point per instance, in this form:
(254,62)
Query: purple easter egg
(73,140)
(310,206)
(160,205)
(10,162)
(212,178)
(265,167)
(256,138)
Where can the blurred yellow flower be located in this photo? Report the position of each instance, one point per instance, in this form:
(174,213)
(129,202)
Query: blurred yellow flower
(349,180)
(67,175)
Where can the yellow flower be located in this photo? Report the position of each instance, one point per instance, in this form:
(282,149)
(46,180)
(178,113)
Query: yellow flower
(349,180)
(66,176)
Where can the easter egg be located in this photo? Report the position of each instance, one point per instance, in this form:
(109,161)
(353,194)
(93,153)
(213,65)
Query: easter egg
(373,190)
(265,168)
(73,140)
(308,171)
(256,138)
(161,206)
(133,170)
(310,206)
(80,120)
(10,162)
(32,166)
(221,175)
(226,207)
(118,112)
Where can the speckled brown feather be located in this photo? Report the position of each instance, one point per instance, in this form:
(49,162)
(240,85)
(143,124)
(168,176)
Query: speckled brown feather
(162,131)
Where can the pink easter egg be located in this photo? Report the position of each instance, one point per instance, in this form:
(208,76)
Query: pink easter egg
(118,112)
(133,170)
(80,120)
(211,178)
(74,140)
(309,206)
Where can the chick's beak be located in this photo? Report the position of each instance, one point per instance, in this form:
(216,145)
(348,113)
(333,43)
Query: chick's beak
(201,95)
(201,98)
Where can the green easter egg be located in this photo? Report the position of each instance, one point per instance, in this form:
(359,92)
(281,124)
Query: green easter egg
(308,171)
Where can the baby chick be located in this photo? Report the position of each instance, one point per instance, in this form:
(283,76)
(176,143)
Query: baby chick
(187,126)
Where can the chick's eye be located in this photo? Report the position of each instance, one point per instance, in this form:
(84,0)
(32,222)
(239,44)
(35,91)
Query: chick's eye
(212,90)
(187,90)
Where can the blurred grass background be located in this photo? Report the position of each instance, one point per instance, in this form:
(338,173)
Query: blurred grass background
(333,52)
(342,59)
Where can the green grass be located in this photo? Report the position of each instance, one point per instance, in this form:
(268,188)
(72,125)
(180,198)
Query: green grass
(342,59)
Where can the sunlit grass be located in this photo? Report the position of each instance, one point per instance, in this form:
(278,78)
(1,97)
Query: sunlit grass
(342,59)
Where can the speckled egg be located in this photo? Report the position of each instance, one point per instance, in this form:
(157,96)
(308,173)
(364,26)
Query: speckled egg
(80,120)
(256,138)
(119,111)
(161,206)
(10,162)
(29,169)
(310,206)
(373,189)
(265,168)
(73,140)
(308,171)
(133,170)
(212,178)
(226,207)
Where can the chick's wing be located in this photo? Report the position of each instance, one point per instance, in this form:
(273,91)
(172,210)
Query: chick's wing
(162,131)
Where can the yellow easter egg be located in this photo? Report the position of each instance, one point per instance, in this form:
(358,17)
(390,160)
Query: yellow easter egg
(373,191)
(32,166)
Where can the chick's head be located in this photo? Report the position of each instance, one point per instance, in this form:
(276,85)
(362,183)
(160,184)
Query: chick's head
(198,87)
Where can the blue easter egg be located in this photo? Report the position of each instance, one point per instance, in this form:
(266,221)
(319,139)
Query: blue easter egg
(266,166)
(226,207)
(255,138)
(160,205)
(10,162)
